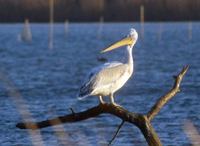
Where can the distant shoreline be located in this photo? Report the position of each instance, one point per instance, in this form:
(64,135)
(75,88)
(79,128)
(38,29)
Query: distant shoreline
(94,10)
(96,22)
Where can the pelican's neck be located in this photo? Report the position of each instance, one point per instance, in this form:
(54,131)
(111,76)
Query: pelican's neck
(130,56)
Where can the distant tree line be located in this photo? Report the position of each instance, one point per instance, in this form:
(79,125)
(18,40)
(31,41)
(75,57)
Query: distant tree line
(92,10)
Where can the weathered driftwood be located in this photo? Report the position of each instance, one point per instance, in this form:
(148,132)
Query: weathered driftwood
(142,121)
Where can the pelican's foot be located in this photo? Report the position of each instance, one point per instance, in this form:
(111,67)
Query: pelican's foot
(115,104)
(102,102)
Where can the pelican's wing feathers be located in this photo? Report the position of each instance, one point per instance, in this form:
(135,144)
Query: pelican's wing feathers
(109,74)
(102,76)
(102,67)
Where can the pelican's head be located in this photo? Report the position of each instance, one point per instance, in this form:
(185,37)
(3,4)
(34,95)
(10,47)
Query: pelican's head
(133,34)
(130,40)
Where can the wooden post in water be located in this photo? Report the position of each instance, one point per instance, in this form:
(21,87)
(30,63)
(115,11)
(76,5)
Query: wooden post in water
(26,34)
(190,30)
(100,29)
(101,18)
(160,31)
(66,28)
(142,21)
(51,23)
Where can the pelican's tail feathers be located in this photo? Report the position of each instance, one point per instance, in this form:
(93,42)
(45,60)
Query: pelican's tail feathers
(82,97)
(83,94)
(85,91)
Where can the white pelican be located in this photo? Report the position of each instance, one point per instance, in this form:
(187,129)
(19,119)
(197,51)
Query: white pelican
(105,80)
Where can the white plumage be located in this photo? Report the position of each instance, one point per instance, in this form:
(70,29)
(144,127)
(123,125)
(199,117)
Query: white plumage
(106,79)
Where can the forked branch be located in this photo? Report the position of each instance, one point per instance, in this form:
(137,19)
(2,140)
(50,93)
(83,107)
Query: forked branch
(164,99)
(139,120)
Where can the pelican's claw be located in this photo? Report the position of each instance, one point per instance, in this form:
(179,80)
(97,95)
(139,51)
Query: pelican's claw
(115,104)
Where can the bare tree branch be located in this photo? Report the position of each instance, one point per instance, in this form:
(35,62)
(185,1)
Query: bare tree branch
(139,120)
(116,133)
(90,113)
(164,99)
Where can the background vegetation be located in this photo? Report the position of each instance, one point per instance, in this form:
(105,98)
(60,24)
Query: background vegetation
(92,10)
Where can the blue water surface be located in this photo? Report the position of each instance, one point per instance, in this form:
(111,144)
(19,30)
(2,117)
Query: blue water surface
(37,83)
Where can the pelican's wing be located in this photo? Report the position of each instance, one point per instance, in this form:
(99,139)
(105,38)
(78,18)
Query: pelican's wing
(102,67)
(94,77)
(109,74)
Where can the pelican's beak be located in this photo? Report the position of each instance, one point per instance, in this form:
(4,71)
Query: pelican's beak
(123,42)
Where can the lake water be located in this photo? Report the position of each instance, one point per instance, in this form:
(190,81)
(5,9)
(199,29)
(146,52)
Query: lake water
(38,83)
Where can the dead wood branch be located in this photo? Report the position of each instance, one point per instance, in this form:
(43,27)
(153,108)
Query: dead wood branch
(139,120)
(164,99)
(115,135)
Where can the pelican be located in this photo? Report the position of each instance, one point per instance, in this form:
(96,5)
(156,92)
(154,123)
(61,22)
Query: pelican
(106,79)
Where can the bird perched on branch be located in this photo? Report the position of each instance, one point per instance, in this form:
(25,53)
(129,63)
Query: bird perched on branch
(106,79)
